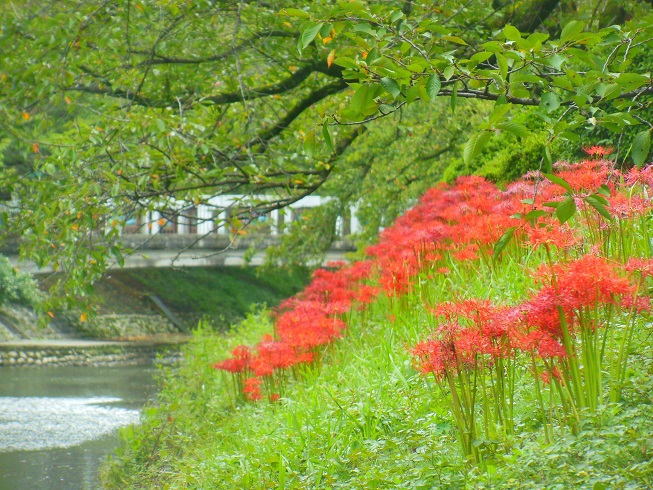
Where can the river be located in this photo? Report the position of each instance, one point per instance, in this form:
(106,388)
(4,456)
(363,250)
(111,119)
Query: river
(58,424)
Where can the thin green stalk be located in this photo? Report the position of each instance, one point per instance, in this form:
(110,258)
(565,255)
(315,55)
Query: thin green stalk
(538,394)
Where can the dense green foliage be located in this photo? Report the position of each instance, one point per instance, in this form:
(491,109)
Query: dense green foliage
(17,287)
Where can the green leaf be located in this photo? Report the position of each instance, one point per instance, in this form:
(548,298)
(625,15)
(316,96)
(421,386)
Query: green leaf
(115,251)
(296,13)
(560,181)
(555,60)
(548,160)
(454,97)
(309,34)
(536,213)
(498,112)
(396,15)
(346,62)
(391,86)
(640,148)
(604,190)
(366,28)
(455,39)
(325,30)
(412,93)
(503,242)
(363,100)
(433,85)
(503,66)
(327,136)
(161,124)
(309,143)
(600,207)
(514,128)
(566,209)
(611,91)
(511,33)
(448,72)
(475,144)
(549,102)
(481,57)
(571,29)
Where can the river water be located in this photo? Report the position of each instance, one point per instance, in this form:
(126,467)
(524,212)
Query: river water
(58,424)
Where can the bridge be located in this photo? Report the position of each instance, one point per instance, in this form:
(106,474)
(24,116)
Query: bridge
(220,232)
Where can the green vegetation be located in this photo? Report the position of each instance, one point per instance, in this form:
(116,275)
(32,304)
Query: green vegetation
(114,108)
(566,309)
(17,287)
(222,295)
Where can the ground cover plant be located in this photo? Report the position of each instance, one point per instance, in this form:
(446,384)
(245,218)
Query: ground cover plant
(492,338)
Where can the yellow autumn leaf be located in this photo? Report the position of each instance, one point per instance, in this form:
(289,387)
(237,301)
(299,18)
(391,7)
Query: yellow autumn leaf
(330,58)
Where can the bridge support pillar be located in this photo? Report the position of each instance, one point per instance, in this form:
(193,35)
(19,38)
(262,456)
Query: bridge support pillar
(355,224)
(204,220)
(154,225)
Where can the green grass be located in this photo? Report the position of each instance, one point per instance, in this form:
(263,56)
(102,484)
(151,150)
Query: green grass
(223,294)
(366,419)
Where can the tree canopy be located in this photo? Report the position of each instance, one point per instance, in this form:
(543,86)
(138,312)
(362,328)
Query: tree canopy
(113,106)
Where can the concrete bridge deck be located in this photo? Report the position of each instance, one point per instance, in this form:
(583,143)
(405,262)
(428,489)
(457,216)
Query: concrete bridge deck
(162,250)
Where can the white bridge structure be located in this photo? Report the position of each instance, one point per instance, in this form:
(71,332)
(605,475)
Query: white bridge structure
(220,213)
(223,231)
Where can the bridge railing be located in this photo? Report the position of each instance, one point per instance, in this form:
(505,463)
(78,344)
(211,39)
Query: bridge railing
(226,215)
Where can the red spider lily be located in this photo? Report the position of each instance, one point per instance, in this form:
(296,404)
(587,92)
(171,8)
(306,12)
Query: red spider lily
(470,252)
(643,266)
(252,389)
(559,236)
(587,175)
(239,362)
(435,357)
(366,294)
(539,341)
(272,355)
(556,374)
(642,176)
(623,206)
(308,327)
(598,151)
(588,281)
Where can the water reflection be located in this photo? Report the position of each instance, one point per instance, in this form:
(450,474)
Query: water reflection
(57,424)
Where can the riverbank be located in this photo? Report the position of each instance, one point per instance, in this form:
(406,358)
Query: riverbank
(144,304)
(73,352)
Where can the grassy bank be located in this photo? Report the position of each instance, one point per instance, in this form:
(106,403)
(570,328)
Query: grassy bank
(224,295)
(479,358)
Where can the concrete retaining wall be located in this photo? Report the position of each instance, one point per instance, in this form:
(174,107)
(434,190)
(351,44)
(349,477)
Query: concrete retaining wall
(93,354)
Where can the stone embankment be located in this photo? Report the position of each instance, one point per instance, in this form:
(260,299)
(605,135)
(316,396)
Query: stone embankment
(86,353)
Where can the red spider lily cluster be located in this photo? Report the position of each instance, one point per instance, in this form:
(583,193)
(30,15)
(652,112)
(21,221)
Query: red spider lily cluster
(304,324)
(474,328)
(456,226)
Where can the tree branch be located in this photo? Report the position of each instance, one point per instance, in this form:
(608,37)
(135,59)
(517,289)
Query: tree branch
(264,137)
(163,60)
